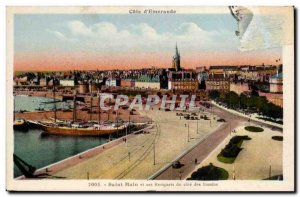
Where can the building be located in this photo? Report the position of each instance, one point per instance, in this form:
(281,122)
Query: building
(148,82)
(202,76)
(265,74)
(247,68)
(43,82)
(239,87)
(163,79)
(127,83)
(276,83)
(251,75)
(176,60)
(274,98)
(218,82)
(93,87)
(22,81)
(223,69)
(182,80)
(67,82)
(186,84)
(83,88)
(113,82)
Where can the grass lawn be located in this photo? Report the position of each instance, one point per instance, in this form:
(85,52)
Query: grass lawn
(254,129)
(277,138)
(223,159)
(232,149)
(210,172)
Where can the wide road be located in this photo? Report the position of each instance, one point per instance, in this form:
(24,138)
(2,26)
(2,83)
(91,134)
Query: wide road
(204,148)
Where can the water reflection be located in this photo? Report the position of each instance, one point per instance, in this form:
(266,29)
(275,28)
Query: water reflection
(40,150)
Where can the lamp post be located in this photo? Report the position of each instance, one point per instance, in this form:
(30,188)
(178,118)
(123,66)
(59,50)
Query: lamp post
(188,132)
(233,173)
(154,152)
(154,146)
(270,172)
(197,126)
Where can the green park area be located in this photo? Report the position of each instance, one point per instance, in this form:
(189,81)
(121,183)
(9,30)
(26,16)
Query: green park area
(209,172)
(249,103)
(254,129)
(232,149)
(277,138)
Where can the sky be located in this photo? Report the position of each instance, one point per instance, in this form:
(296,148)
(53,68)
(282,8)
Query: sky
(122,41)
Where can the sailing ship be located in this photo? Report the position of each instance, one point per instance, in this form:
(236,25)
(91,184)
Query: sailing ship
(83,129)
(89,128)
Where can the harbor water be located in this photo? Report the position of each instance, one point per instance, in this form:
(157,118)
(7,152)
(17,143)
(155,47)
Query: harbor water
(38,149)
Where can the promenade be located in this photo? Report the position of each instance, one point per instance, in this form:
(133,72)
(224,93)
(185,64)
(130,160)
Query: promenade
(210,144)
(146,153)
(259,158)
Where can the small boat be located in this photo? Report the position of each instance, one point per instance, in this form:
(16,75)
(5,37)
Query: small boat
(20,125)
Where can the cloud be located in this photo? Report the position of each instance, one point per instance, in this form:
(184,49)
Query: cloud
(57,34)
(106,37)
(79,28)
(60,35)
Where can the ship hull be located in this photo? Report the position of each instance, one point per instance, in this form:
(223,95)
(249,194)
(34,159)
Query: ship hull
(79,131)
(21,126)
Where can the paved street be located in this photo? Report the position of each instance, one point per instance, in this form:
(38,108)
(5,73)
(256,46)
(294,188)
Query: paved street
(202,150)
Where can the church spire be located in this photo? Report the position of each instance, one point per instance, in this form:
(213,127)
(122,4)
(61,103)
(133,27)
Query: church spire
(176,51)
(176,59)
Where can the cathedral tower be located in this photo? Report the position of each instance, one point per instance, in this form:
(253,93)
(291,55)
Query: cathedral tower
(176,60)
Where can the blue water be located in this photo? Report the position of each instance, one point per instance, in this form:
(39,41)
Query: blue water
(40,150)
(30,103)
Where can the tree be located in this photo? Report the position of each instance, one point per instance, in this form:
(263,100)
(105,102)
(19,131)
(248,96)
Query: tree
(214,94)
(231,99)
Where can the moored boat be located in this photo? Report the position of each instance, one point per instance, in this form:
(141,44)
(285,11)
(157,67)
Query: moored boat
(20,125)
(81,130)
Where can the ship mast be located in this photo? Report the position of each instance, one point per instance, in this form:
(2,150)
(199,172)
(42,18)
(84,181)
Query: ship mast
(99,112)
(91,107)
(54,101)
(108,112)
(74,107)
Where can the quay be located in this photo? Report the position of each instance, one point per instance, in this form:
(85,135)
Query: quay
(150,154)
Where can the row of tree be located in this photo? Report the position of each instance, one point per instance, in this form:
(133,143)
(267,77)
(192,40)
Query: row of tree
(251,103)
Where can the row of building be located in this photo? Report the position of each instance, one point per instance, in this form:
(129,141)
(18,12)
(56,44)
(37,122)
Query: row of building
(221,78)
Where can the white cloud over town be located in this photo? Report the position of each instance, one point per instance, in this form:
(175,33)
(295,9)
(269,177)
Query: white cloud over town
(107,37)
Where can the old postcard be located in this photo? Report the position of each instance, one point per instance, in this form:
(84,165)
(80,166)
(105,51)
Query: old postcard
(150,99)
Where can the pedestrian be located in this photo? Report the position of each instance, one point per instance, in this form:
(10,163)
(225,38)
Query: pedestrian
(196,161)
